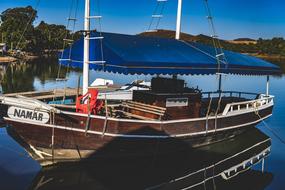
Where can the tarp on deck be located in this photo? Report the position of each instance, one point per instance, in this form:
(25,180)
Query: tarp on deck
(131,54)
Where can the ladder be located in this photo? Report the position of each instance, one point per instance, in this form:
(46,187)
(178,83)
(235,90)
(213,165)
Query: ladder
(156,16)
(70,26)
(92,37)
(220,55)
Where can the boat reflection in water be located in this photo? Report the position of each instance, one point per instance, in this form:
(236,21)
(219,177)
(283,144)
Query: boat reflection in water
(223,165)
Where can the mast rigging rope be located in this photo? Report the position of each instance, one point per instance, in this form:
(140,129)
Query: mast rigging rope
(157,14)
(216,42)
(269,128)
(67,33)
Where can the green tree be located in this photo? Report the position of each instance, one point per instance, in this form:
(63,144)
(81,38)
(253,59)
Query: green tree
(53,35)
(17,26)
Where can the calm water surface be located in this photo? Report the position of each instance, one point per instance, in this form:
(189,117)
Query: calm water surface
(18,170)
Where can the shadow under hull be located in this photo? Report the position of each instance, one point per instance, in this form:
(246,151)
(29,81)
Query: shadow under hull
(217,163)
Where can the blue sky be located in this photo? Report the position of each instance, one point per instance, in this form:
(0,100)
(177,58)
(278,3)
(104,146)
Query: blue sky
(233,18)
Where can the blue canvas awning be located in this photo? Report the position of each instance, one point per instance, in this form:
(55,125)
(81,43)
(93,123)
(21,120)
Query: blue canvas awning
(131,54)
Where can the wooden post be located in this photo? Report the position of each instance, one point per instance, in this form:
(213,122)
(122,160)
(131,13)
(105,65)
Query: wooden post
(267,85)
(52,135)
(106,115)
(78,87)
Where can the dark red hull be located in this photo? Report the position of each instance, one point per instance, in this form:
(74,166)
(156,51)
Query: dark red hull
(73,142)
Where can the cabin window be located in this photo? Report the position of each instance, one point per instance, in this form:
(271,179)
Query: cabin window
(176,102)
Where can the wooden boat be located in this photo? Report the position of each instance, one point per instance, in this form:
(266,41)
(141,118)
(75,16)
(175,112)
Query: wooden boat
(153,120)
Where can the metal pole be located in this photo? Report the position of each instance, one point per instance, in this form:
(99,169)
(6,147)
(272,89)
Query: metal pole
(178,20)
(86,47)
(220,83)
(262,166)
(267,85)
(78,87)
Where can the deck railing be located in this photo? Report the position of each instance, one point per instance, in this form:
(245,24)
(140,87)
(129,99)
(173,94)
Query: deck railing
(254,105)
(228,94)
(256,102)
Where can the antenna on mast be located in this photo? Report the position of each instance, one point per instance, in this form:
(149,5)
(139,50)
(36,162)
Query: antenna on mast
(178,20)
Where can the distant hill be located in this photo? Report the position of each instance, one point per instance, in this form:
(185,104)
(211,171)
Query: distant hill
(184,36)
(244,39)
(238,46)
(271,49)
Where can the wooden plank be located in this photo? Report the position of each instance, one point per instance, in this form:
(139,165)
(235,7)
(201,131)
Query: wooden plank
(56,93)
(41,95)
(143,110)
(147,105)
(134,115)
(63,106)
(30,93)
(114,105)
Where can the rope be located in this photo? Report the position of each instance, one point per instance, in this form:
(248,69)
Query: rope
(26,27)
(205,177)
(269,128)
(100,33)
(216,42)
(213,179)
(161,12)
(217,110)
(158,9)
(64,44)
(67,32)
(207,115)
(152,19)
(106,115)
(52,118)
(196,48)
(72,36)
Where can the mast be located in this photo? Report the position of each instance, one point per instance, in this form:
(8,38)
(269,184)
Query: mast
(86,47)
(178,20)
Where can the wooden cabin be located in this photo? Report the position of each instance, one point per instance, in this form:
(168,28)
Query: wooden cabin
(168,98)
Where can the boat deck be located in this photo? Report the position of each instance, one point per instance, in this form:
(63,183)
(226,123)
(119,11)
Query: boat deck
(48,94)
(57,94)
(211,104)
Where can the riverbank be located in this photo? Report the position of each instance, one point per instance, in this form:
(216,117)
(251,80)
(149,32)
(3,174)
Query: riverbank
(7,59)
(268,56)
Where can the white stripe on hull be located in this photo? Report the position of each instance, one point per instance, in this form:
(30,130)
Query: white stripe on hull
(138,136)
(170,121)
